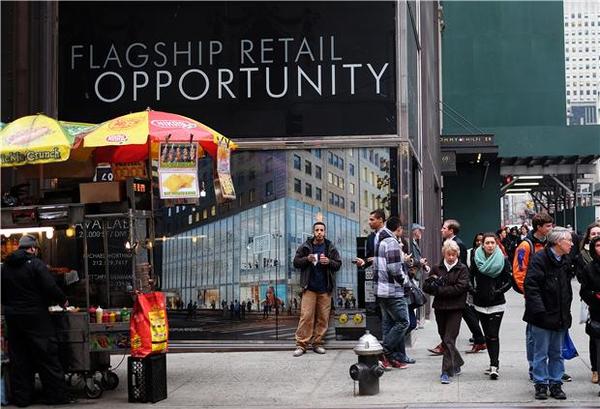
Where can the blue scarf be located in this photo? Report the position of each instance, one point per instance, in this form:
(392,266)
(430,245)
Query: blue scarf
(491,266)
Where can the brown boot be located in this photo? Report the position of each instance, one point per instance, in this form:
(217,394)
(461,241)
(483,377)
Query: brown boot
(476,348)
(438,350)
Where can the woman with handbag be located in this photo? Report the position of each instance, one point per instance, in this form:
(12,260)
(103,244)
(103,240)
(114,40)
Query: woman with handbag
(448,283)
(583,259)
(590,293)
(491,278)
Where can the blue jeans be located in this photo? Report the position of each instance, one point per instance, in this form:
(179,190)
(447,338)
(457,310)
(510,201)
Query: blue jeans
(529,348)
(394,323)
(401,356)
(548,364)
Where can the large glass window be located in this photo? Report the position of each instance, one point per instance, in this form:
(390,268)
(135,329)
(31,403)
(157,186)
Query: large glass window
(240,254)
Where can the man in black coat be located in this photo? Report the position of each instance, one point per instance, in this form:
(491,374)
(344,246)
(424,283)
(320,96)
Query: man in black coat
(28,289)
(548,297)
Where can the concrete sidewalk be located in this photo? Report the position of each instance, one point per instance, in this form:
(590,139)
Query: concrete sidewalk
(259,379)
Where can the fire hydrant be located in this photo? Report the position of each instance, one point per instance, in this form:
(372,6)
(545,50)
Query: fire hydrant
(367,371)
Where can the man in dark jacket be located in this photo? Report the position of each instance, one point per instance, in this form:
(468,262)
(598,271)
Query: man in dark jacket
(28,290)
(548,297)
(318,261)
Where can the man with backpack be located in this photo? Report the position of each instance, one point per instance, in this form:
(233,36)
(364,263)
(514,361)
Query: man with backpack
(532,243)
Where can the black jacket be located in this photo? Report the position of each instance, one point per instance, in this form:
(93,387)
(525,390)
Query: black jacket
(488,291)
(27,285)
(590,285)
(302,262)
(463,250)
(548,292)
(449,287)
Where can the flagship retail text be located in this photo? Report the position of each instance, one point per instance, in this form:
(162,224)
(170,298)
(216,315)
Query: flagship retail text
(276,67)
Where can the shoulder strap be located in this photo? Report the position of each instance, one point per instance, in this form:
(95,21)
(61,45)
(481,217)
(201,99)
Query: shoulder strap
(531,245)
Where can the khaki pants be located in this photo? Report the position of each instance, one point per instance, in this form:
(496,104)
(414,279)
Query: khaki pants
(314,318)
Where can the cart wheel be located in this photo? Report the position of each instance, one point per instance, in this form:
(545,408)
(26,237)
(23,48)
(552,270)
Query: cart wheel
(94,391)
(110,381)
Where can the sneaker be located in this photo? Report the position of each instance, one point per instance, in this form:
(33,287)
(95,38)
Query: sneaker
(594,376)
(299,351)
(397,364)
(444,379)
(385,363)
(566,377)
(408,360)
(556,392)
(457,371)
(494,372)
(319,349)
(541,391)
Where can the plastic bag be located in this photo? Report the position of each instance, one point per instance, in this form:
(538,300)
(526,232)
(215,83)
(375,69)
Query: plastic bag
(584,312)
(568,347)
(149,327)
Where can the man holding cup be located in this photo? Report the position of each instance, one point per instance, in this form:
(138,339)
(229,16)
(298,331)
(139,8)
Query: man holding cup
(318,261)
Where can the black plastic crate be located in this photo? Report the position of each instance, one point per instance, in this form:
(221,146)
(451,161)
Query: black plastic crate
(147,378)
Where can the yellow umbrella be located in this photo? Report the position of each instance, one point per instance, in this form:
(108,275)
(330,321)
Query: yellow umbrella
(34,139)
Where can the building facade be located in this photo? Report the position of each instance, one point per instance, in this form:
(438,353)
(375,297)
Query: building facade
(582,61)
(331,122)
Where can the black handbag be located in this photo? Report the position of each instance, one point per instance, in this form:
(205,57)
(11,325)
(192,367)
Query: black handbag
(592,328)
(416,297)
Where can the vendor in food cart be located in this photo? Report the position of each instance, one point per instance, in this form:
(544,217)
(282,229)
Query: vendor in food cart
(28,289)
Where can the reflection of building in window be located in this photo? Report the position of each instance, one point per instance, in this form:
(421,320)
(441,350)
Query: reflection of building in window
(582,61)
(277,190)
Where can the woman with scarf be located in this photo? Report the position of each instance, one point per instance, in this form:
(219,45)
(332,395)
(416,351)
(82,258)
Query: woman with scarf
(590,293)
(583,259)
(490,278)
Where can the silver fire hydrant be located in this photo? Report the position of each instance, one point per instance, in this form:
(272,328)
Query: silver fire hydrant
(367,371)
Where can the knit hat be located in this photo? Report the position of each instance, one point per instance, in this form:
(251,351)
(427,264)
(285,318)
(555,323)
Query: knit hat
(28,241)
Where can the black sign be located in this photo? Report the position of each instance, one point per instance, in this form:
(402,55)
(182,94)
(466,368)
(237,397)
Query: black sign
(247,69)
(119,259)
(483,140)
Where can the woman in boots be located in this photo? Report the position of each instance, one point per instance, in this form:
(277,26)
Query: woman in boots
(448,283)
(583,259)
(590,293)
(491,278)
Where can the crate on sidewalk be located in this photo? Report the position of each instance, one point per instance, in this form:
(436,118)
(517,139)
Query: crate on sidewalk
(147,378)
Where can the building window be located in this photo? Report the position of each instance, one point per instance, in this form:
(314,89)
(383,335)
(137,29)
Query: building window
(317,153)
(330,177)
(251,195)
(308,167)
(297,186)
(308,190)
(251,175)
(351,188)
(330,198)
(366,198)
(269,188)
(317,172)
(341,164)
(318,194)
(342,203)
(352,207)
(351,168)
(213,211)
(297,162)
(330,158)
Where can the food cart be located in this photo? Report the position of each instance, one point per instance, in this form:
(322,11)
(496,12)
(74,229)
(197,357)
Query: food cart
(100,260)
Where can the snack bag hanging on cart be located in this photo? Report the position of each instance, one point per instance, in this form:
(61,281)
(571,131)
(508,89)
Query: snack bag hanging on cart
(149,327)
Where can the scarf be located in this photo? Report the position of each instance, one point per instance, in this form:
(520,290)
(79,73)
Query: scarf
(491,266)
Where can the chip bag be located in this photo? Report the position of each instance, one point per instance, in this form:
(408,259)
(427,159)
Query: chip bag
(149,327)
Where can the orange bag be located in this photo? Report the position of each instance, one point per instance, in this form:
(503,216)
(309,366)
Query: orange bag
(149,327)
